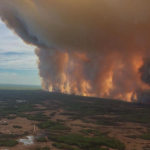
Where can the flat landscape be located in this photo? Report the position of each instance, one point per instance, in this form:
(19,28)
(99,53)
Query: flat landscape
(39,120)
(19,87)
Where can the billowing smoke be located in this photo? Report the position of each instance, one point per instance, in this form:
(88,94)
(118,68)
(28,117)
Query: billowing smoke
(88,47)
(145,71)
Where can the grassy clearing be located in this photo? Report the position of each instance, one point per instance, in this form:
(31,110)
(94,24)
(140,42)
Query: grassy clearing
(52,126)
(38,117)
(11,117)
(88,143)
(16,126)
(8,143)
(145,136)
(43,148)
(68,147)
(65,146)
(52,114)
(90,131)
(41,139)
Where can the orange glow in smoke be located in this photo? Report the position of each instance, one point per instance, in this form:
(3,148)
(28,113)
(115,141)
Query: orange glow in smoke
(75,82)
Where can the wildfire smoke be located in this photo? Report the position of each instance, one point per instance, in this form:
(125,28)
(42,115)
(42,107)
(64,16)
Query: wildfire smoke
(92,48)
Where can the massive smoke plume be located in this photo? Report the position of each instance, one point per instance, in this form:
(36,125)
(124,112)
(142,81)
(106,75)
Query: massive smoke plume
(88,47)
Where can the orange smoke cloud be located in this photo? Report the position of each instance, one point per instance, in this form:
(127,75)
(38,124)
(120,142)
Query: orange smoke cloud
(92,48)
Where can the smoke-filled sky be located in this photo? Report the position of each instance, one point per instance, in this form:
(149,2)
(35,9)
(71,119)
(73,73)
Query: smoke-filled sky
(89,47)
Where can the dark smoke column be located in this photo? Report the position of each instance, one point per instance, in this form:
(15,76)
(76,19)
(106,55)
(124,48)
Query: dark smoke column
(91,48)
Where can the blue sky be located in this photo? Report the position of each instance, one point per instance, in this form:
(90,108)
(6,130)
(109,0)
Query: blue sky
(18,63)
